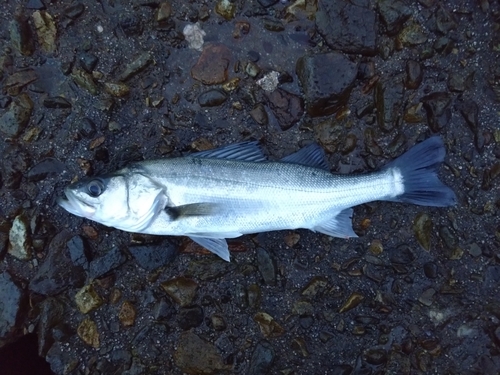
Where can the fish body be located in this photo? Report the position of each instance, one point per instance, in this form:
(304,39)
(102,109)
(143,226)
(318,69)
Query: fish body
(231,191)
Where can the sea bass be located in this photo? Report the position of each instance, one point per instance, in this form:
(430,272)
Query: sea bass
(234,190)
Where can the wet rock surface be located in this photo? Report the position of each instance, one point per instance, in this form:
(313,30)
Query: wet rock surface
(90,86)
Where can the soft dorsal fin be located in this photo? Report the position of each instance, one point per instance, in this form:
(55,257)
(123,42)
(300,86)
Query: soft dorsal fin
(245,151)
(312,156)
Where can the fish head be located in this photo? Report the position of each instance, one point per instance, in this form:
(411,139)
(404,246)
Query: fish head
(127,201)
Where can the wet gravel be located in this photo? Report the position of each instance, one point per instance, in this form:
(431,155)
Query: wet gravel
(88,87)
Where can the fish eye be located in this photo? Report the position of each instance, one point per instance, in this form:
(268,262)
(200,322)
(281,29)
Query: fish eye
(95,188)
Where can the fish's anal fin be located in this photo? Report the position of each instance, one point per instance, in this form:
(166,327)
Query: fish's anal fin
(192,209)
(217,246)
(311,156)
(338,226)
(243,151)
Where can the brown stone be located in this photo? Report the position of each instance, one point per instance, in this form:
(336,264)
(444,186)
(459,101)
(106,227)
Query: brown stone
(211,67)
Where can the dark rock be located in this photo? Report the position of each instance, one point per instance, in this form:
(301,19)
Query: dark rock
(253,56)
(444,21)
(12,301)
(88,62)
(401,255)
(262,358)
(341,370)
(21,36)
(273,25)
(306,321)
(61,360)
(13,122)
(56,102)
(57,273)
(209,269)
(51,313)
(267,3)
(393,15)
(266,266)
(431,270)
(136,66)
(15,162)
(155,256)
(131,24)
(74,11)
(163,310)
(327,80)
(375,357)
(86,128)
(78,252)
(193,355)
(259,114)
(212,65)
(108,262)
(437,107)
(350,27)
(45,168)
(287,108)
(5,101)
(190,317)
(414,74)
(389,101)
(212,98)
(35,4)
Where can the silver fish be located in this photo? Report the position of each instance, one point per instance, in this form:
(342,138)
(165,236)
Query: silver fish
(234,190)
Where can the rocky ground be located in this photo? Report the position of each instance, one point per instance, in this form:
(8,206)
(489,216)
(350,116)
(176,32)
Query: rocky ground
(89,86)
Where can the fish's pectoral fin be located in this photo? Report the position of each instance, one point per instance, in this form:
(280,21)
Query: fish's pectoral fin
(192,209)
(217,246)
(311,156)
(338,226)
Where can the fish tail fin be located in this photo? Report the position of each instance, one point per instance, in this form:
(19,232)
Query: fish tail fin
(417,170)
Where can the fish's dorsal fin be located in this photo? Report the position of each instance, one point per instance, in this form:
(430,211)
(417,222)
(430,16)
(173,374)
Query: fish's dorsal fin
(244,151)
(217,246)
(338,226)
(311,156)
(192,209)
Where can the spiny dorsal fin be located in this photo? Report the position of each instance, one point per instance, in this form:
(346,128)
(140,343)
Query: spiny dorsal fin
(312,156)
(244,151)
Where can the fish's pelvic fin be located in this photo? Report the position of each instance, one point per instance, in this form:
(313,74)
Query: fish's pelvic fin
(338,226)
(311,156)
(217,246)
(417,171)
(243,151)
(192,209)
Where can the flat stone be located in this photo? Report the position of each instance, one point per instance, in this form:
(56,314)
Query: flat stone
(154,256)
(288,108)
(212,65)
(197,356)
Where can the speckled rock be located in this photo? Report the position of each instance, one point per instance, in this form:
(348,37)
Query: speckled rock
(57,271)
(20,238)
(12,300)
(288,108)
(207,360)
(87,299)
(327,80)
(13,122)
(262,358)
(348,26)
(181,289)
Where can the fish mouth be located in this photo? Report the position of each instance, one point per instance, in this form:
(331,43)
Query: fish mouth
(74,205)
